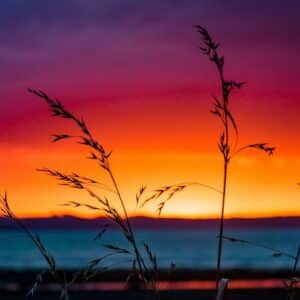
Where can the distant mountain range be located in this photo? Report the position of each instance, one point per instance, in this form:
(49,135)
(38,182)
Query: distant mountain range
(71,222)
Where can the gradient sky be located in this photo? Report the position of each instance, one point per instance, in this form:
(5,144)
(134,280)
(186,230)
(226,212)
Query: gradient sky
(134,71)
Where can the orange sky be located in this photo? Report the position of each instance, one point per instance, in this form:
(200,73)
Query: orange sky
(145,90)
(258,185)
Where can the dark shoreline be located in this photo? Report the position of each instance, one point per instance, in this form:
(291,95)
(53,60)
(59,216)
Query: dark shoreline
(140,222)
(262,294)
(16,284)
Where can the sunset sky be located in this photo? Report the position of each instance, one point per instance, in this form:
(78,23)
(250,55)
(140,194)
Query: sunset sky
(134,71)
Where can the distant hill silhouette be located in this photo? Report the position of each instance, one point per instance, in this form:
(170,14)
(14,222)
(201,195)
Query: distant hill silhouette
(71,222)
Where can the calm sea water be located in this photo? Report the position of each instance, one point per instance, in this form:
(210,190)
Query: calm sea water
(186,248)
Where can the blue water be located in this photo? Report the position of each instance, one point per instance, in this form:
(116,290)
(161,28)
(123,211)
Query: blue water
(186,248)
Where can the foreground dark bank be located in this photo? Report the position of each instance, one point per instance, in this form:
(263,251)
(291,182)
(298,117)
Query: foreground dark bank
(257,294)
(187,284)
(26,278)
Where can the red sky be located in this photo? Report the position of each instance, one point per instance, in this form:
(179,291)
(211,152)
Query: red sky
(134,71)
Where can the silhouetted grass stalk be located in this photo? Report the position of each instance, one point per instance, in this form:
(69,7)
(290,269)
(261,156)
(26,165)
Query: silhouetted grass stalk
(73,180)
(222,110)
(136,250)
(275,252)
(57,275)
(290,284)
(296,260)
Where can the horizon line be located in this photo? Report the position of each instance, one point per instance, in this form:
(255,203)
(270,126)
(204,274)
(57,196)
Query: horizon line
(86,217)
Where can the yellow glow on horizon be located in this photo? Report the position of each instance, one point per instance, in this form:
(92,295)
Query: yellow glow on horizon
(258,186)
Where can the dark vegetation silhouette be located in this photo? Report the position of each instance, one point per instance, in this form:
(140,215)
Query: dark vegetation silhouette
(291,283)
(144,262)
(228,140)
(58,275)
(228,147)
(143,273)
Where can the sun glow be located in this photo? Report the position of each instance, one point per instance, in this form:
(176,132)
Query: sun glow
(257,184)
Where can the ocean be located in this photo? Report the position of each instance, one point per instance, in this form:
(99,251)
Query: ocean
(186,248)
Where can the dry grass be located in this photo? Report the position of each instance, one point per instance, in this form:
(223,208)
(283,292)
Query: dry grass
(97,153)
(166,193)
(228,146)
(58,275)
(291,284)
(228,140)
